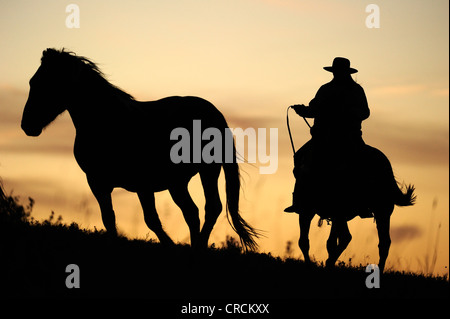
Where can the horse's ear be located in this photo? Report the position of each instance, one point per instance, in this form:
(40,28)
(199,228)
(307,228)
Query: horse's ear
(44,53)
(48,53)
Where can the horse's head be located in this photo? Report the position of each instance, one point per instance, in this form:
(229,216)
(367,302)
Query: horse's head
(48,91)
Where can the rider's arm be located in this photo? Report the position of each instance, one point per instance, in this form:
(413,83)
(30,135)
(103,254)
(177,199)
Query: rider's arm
(311,110)
(303,110)
(364,106)
(359,108)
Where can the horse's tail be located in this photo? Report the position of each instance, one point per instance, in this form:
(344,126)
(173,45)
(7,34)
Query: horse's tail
(401,198)
(233,185)
(407,198)
(385,179)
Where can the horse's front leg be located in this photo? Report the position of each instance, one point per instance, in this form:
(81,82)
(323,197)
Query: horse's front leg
(305,224)
(102,193)
(338,241)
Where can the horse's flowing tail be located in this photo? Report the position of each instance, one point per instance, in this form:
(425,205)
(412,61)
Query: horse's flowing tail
(407,198)
(233,185)
(385,178)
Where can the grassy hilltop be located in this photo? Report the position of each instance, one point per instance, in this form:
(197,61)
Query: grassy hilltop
(34,257)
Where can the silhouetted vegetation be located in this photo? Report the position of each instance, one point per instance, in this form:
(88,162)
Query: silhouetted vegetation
(34,256)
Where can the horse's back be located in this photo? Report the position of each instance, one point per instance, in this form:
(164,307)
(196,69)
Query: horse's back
(377,163)
(180,111)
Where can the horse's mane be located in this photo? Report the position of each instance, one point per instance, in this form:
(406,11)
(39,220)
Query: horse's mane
(93,71)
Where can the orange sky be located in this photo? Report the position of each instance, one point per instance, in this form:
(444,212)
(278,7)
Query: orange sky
(251,58)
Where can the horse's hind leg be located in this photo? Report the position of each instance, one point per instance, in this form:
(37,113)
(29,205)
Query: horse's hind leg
(305,224)
(147,199)
(209,176)
(383,219)
(182,198)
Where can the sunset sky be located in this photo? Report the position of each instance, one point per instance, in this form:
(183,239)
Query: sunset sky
(252,59)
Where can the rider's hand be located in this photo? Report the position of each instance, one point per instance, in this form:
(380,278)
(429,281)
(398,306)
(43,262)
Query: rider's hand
(298,108)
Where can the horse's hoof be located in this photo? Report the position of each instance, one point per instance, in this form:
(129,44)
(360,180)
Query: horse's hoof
(199,247)
(168,244)
(329,263)
(112,233)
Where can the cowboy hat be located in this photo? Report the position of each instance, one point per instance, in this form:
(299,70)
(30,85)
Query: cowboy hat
(340,65)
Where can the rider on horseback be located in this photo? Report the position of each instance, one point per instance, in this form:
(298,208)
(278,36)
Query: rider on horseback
(338,109)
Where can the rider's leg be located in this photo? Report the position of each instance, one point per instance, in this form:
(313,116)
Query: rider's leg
(300,173)
(294,208)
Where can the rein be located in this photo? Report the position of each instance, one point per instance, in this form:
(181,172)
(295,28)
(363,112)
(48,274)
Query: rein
(320,222)
(289,128)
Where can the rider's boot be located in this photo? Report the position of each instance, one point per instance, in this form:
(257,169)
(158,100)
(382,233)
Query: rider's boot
(294,208)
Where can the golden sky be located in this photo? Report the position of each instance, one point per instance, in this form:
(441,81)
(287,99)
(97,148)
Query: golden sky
(251,58)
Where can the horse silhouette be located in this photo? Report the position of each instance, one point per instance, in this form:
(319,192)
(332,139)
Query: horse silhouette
(122,142)
(363,185)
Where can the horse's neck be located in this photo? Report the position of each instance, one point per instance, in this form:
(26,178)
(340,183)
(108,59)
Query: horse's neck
(96,112)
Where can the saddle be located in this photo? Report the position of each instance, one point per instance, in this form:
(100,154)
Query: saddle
(329,181)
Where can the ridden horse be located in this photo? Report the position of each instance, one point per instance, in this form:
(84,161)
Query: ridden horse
(121,142)
(367,188)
